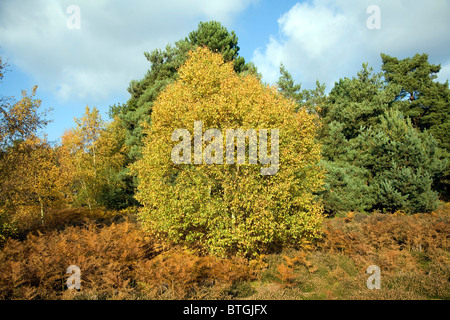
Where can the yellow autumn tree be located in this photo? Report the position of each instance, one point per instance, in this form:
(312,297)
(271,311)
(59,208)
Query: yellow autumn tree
(21,119)
(37,179)
(194,195)
(95,151)
(111,160)
(29,175)
(81,144)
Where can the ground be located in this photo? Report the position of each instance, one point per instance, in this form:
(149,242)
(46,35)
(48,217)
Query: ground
(119,261)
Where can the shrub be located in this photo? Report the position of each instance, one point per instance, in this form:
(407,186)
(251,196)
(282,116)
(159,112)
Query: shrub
(228,208)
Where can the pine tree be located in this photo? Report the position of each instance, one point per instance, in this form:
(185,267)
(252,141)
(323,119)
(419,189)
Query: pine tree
(216,38)
(428,103)
(403,163)
(288,87)
(312,100)
(374,157)
(357,102)
(424,100)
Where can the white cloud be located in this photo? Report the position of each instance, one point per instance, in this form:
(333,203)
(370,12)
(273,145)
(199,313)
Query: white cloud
(444,74)
(328,40)
(107,51)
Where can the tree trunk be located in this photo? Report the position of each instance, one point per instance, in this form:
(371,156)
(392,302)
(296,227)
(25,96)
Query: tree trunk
(42,210)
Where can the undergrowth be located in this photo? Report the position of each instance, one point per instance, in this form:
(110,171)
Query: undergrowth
(412,252)
(119,261)
(116,261)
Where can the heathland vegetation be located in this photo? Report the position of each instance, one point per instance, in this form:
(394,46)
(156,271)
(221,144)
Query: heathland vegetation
(362,179)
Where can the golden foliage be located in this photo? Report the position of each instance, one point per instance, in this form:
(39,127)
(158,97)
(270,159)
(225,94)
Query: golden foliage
(34,179)
(94,152)
(227,209)
(116,262)
(286,274)
(21,120)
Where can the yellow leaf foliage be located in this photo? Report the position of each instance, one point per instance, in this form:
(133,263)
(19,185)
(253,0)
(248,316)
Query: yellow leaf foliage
(229,209)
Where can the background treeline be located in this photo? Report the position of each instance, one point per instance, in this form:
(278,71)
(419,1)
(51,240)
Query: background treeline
(384,138)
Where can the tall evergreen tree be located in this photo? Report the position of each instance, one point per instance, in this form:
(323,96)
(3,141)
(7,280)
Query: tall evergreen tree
(312,100)
(217,39)
(357,102)
(403,163)
(288,87)
(423,99)
(427,101)
(375,158)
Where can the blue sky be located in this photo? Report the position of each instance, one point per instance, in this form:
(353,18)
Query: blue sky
(315,39)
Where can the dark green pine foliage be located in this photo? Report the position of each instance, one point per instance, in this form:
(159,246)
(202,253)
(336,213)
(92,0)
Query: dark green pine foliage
(217,38)
(357,102)
(164,65)
(425,101)
(403,163)
(288,87)
(163,70)
(352,105)
(310,99)
(375,158)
